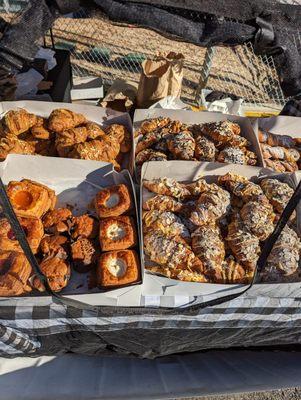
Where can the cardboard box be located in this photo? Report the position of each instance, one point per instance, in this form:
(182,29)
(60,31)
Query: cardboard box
(102,116)
(158,290)
(76,183)
(191,117)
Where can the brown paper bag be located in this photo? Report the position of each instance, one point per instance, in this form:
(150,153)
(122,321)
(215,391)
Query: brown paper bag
(121,96)
(159,78)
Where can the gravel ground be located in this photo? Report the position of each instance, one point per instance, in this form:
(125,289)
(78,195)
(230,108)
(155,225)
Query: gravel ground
(284,394)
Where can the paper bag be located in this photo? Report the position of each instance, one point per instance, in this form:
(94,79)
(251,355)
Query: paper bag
(160,77)
(121,96)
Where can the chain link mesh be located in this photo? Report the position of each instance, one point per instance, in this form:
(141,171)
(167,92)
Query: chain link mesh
(113,51)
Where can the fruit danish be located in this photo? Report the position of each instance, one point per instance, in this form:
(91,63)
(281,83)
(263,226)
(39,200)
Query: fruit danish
(15,271)
(113,201)
(30,199)
(32,227)
(116,268)
(117,233)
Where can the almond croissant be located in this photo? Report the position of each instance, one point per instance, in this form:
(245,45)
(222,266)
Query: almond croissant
(17,122)
(67,139)
(105,149)
(61,120)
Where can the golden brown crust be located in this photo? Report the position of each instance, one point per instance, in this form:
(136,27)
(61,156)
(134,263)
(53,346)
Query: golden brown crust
(84,255)
(18,121)
(68,138)
(116,268)
(57,221)
(13,145)
(30,199)
(94,131)
(54,244)
(167,187)
(153,124)
(104,149)
(113,201)
(150,155)
(15,272)
(62,119)
(205,149)
(122,135)
(163,203)
(181,145)
(117,233)
(33,229)
(84,226)
(57,271)
(39,130)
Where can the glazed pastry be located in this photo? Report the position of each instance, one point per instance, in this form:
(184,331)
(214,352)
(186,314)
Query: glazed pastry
(181,145)
(243,244)
(275,140)
(61,120)
(84,226)
(94,131)
(113,201)
(30,199)
(39,130)
(162,203)
(208,246)
(117,233)
(150,155)
(67,139)
(54,245)
(33,229)
(57,221)
(15,271)
(57,270)
(277,192)
(241,187)
(13,145)
(104,149)
(19,121)
(204,149)
(167,187)
(84,255)
(232,155)
(179,274)
(169,253)
(284,257)
(122,135)
(258,218)
(211,206)
(153,124)
(166,222)
(276,165)
(116,268)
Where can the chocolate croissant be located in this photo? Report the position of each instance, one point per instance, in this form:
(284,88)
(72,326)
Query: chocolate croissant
(40,130)
(181,145)
(61,120)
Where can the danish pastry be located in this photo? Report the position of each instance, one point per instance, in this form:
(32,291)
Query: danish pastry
(181,145)
(116,268)
(84,255)
(19,121)
(277,192)
(15,271)
(113,201)
(258,218)
(61,120)
(32,227)
(162,203)
(54,245)
(117,233)
(84,226)
(30,199)
(57,221)
(39,130)
(166,222)
(205,149)
(167,187)
(58,272)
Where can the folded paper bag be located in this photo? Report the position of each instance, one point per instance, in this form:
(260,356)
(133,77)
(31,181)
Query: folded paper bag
(159,78)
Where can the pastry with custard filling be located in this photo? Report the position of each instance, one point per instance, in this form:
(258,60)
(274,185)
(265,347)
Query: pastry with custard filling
(117,233)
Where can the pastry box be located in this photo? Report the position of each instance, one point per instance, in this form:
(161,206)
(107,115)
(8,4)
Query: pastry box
(76,184)
(160,290)
(209,151)
(101,116)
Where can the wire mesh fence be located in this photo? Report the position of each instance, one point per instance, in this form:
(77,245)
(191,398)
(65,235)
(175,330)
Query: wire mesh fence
(111,51)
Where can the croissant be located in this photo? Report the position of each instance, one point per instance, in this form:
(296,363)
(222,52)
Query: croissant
(179,274)
(151,138)
(67,139)
(241,187)
(57,271)
(204,149)
(277,192)
(162,203)
(168,187)
(275,140)
(284,257)
(211,206)
(17,122)
(208,246)
(198,187)
(280,153)
(153,124)
(243,244)
(233,155)
(166,222)
(258,218)
(168,252)
(290,166)
(220,132)
(149,155)
(61,120)
(176,127)
(105,149)
(238,141)
(122,135)
(39,130)
(94,131)
(55,245)
(15,274)
(181,145)
(232,272)
(276,165)
(13,145)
